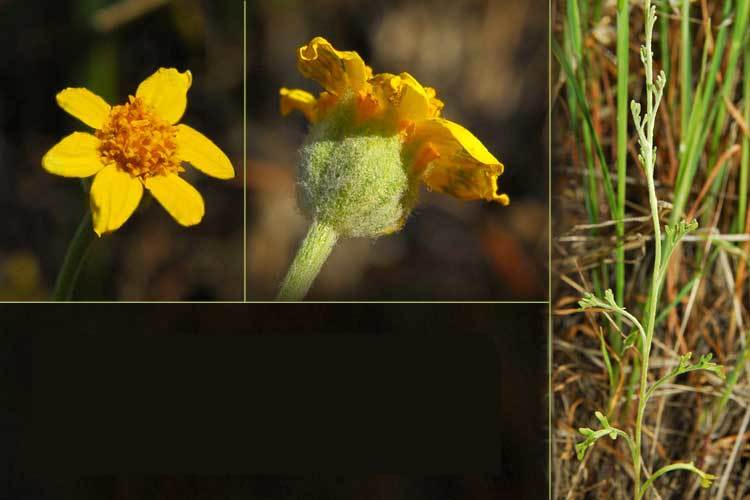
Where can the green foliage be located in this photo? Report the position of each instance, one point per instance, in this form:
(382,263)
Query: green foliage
(704,364)
(589,300)
(675,232)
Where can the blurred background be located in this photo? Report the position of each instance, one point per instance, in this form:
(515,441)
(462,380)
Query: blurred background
(488,61)
(109,47)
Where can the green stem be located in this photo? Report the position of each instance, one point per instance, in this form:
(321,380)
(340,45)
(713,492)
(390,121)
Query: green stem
(74,259)
(623,47)
(686,69)
(310,257)
(742,358)
(745,156)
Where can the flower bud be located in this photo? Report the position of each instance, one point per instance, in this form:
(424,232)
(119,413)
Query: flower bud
(353,177)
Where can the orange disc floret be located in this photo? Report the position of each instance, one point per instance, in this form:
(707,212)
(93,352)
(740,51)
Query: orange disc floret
(367,106)
(138,141)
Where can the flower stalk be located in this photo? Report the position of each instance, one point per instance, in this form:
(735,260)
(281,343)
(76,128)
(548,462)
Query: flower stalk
(74,259)
(310,257)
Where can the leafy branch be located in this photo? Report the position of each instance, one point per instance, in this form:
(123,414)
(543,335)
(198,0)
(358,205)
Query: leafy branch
(706,478)
(592,436)
(684,366)
(674,235)
(591,301)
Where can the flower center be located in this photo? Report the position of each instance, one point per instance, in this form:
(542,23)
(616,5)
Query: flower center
(138,141)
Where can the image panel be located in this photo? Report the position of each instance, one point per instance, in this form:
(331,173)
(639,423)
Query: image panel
(651,155)
(121,151)
(397,150)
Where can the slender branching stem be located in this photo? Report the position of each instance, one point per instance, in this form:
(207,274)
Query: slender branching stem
(644,127)
(648,159)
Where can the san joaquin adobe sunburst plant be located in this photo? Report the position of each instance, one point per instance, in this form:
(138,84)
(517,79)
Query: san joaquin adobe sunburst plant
(634,378)
(374,139)
(135,145)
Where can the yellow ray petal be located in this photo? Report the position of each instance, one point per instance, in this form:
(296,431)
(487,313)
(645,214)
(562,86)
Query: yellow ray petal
(183,202)
(414,103)
(84,105)
(409,100)
(166,91)
(291,99)
(198,150)
(337,71)
(436,105)
(74,156)
(114,197)
(455,162)
(385,85)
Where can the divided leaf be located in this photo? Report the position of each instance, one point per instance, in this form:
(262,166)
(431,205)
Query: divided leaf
(592,436)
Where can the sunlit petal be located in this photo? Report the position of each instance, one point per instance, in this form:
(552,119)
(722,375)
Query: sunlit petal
(74,156)
(453,161)
(166,92)
(300,100)
(198,150)
(84,105)
(337,71)
(114,197)
(183,202)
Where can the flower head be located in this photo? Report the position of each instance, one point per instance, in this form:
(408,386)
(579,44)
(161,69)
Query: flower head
(395,108)
(135,145)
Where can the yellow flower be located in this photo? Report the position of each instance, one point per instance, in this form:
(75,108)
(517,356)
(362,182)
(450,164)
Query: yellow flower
(135,145)
(446,157)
